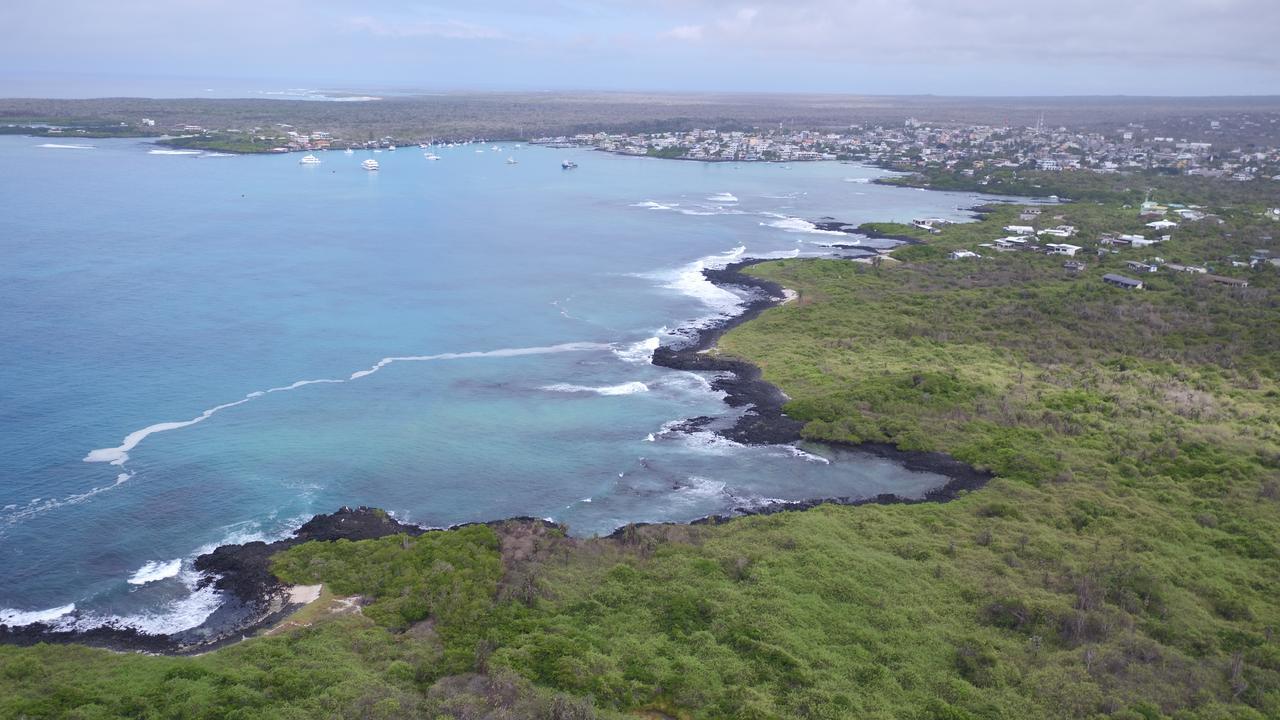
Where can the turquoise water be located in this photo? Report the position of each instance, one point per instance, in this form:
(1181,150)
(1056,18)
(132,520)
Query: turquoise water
(142,291)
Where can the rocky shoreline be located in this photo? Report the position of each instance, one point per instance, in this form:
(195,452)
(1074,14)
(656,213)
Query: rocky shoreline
(255,599)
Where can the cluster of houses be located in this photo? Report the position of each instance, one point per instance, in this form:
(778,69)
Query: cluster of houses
(699,144)
(1026,238)
(972,148)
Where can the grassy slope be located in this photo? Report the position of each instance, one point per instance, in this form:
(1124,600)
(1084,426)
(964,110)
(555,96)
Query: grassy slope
(1123,564)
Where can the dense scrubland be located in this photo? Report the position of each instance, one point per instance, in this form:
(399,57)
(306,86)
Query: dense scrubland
(524,115)
(1122,564)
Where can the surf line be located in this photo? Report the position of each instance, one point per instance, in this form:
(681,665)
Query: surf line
(119,455)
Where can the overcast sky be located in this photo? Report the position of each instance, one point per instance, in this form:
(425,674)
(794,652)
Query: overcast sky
(944,47)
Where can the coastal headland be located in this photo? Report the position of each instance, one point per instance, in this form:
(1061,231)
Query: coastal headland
(1109,551)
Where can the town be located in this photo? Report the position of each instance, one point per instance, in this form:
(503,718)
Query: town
(916,145)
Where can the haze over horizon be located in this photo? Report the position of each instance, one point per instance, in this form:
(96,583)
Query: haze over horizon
(235,48)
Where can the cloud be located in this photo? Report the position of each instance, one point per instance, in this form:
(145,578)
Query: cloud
(448,29)
(944,32)
(684,32)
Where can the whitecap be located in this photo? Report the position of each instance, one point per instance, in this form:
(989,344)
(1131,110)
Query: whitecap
(637,352)
(36,506)
(627,388)
(691,281)
(798,225)
(709,442)
(66,146)
(175,616)
(701,487)
(793,451)
(723,197)
(155,570)
(175,152)
(19,618)
(860,181)
(120,454)
(504,352)
(651,205)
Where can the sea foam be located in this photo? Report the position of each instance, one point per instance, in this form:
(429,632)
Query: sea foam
(627,388)
(120,454)
(797,225)
(66,146)
(19,618)
(156,570)
(638,352)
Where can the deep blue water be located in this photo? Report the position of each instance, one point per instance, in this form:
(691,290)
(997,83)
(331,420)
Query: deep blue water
(140,288)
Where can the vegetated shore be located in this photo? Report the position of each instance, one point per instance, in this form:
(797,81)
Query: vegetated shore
(254,599)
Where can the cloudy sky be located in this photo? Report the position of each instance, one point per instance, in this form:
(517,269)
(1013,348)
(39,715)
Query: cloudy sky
(945,47)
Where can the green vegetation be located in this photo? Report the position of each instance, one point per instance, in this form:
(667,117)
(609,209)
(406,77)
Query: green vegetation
(1087,186)
(75,131)
(224,142)
(669,152)
(1123,564)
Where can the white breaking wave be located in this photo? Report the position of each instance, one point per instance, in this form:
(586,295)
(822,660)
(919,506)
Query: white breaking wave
(639,352)
(793,451)
(690,281)
(723,197)
(120,454)
(798,225)
(175,616)
(175,152)
(627,388)
(860,181)
(66,146)
(39,505)
(506,352)
(155,570)
(700,487)
(697,209)
(18,618)
(218,154)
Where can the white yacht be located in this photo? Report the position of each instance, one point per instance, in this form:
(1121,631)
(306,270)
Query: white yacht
(512,161)
(370,164)
(309,160)
(431,156)
(392,148)
(568,164)
(348,151)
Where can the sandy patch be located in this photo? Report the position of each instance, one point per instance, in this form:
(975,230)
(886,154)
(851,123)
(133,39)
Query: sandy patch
(304,594)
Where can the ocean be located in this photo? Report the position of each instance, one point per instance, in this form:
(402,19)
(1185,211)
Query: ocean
(199,349)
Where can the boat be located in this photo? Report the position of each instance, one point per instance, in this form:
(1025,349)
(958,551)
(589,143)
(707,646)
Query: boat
(370,164)
(391,148)
(512,161)
(348,151)
(431,156)
(568,164)
(309,160)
